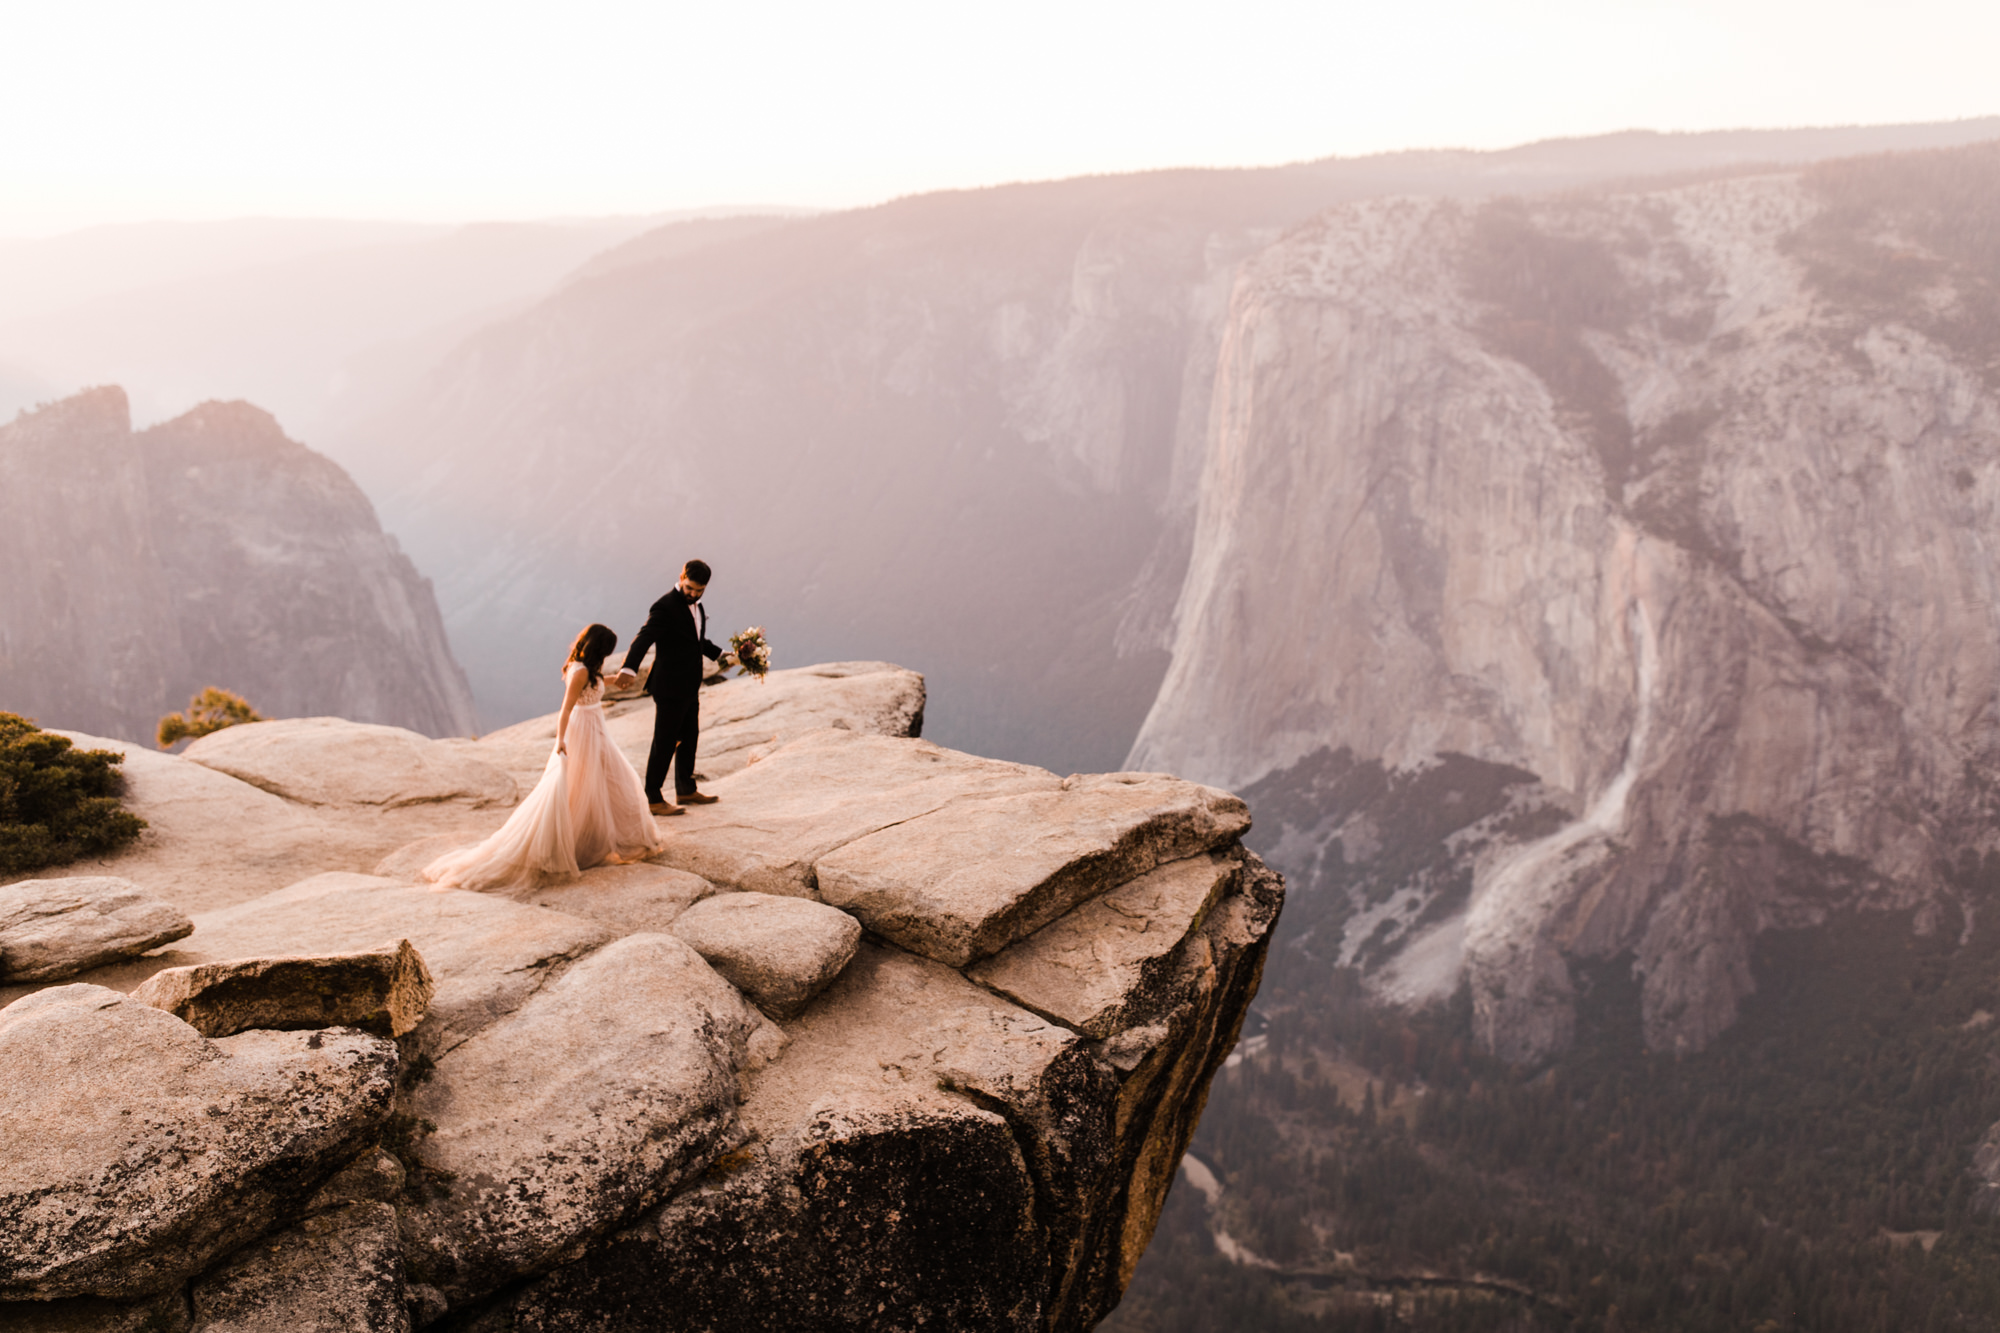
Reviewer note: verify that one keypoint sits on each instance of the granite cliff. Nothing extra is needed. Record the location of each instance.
(966, 428)
(891, 1037)
(143, 566)
(1606, 578)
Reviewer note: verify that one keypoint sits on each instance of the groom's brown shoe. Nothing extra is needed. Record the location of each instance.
(698, 798)
(664, 808)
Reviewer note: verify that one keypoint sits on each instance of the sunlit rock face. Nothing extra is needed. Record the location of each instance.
(141, 567)
(1669, 512)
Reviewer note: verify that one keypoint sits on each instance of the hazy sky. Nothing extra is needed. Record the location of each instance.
(435, 110)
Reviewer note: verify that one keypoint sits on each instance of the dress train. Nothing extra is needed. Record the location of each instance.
(589, 807)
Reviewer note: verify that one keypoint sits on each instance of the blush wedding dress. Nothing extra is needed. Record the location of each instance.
(589, 808)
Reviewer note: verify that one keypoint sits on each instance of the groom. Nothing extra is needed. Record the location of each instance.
(678, 627)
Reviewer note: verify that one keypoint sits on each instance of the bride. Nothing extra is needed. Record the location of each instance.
(589, 807)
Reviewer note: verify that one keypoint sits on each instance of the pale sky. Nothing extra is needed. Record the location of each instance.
(438, 110)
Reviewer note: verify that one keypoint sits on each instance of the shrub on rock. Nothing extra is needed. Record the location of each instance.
(207, 712)
(57, 803)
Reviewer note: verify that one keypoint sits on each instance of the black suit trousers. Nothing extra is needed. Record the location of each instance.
(676, 731)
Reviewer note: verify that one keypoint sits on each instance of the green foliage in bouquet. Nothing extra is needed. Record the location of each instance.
(752, 652)
(57, 803)
(211, 710)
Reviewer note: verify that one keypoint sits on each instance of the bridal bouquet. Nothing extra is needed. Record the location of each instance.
(753, 654)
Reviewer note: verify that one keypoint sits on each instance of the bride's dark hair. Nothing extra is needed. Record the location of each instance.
(591, 648)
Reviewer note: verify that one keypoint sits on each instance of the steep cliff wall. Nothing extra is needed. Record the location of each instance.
(208, 550)
(1678, 501)
(964, 428)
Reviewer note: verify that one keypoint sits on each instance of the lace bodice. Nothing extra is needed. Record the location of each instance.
(592, 694)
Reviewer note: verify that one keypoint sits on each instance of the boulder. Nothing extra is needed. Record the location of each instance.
(610, 1086)
(778, 951)
(383, 991)
(1096, 967)
(56, 928)
(329, 761)
(134, 1151)
(780, 815)
(972, 876)
(337, 1271)
(486, 955)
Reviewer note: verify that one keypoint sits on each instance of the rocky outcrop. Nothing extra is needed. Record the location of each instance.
(208, 550)
(55, 928)
(1648, 498)
(592, 1124)
(902, 1073)
(339, 1269)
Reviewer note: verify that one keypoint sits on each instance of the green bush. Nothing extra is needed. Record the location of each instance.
(211, 710)
(57, 803)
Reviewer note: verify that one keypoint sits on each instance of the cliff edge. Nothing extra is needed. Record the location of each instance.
(891, 1036)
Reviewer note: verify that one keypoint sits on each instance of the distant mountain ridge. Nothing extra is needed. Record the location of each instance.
(208, 550)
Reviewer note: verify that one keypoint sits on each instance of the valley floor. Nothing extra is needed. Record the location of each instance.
(1811, 1170)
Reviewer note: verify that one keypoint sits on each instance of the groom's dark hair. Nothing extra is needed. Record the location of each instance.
(697, 572)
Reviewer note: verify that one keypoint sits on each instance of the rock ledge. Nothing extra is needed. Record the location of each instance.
(690, 1094)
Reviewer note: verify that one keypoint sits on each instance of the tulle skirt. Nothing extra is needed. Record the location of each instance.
(589, 807)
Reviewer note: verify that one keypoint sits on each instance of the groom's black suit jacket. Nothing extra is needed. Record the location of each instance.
(673, 628)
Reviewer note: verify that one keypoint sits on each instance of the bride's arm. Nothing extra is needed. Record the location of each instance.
(574, 679)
